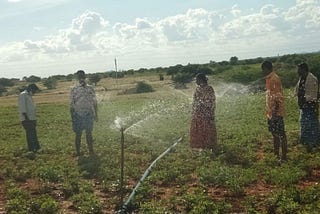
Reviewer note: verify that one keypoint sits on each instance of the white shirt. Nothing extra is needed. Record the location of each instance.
(311, 88)
(26, 105)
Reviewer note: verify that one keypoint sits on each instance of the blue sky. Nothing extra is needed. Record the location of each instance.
(49, 37)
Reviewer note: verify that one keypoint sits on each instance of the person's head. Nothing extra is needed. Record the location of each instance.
(303, 69)
(81, 76)
(33, 88)
(266, 67)
(201, 79)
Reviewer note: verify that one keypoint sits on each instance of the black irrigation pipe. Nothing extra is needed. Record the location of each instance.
(124, 208)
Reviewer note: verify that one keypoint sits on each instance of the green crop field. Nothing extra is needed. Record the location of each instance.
(241, 176)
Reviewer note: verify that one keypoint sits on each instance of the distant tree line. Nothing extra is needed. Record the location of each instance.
(243, 71)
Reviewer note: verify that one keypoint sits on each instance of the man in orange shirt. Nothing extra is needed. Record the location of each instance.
(275, 109)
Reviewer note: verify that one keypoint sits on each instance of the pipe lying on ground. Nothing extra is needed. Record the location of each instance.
(146, 173)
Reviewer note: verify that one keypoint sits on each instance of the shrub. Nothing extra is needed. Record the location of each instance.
(94, 78)
(2, 90)
(6, 82)
(221, 68)
(242, 75)
(116, 75)
(161, 77)
(181, 79)
(50, 83)
(143, 87)
(33, 78)
(289, 78)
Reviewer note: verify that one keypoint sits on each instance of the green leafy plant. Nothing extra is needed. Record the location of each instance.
(200, 202)
(286, 202)
(71, 187)
(17, 200)
(89, 166)
(86, 203)
(285, 175)
(50, 173)
(233, 178)
(43, 204)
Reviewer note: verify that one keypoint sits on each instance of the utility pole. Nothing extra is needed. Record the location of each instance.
(116, 69)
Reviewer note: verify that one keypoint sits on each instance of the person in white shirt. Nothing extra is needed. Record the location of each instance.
(83, 109)
(27, 113)
(307, 93)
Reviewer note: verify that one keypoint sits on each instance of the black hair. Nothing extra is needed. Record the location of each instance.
(304, 66)
(80, 74)
(202, 77)
(267, 64)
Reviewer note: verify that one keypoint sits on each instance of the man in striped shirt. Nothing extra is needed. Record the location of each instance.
(83, 109)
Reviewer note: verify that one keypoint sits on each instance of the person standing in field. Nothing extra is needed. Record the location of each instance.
(307, 93)
(27, 112)
(83, 109)
(275, 110)
(203, 128)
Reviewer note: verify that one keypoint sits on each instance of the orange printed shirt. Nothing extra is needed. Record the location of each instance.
(274, 96)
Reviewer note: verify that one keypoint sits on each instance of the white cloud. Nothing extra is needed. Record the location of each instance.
(143, 24)
(13, 55)
(195, 25)
(89, 23)
(30, 45)
(305, 14)
(235, 11)
(270, 11)
(198, 35)
(14, 1)
(79, 37)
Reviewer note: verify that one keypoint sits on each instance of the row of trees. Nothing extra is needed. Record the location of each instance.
(51, 82)
(182, 74)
